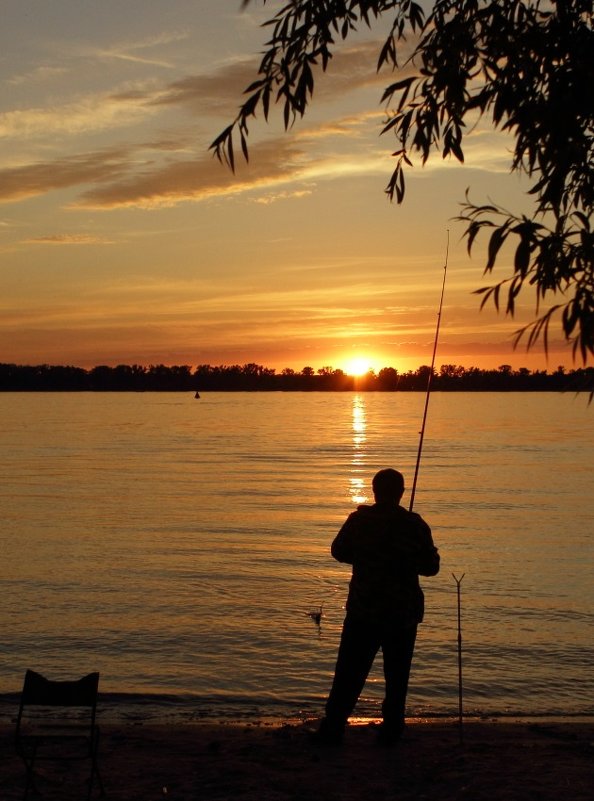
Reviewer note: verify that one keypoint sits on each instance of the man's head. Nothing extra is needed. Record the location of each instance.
(388, 486)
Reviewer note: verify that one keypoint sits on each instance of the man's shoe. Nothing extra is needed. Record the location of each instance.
(389, 734)
(329, 733)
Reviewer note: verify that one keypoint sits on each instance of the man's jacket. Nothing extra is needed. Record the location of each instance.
(388, 548)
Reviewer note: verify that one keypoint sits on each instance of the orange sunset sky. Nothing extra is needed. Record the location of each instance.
(123, 241)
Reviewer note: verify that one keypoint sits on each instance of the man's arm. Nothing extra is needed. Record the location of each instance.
(428, 564)
(342, 547)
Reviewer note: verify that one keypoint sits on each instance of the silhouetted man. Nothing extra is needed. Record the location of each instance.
(388, 548)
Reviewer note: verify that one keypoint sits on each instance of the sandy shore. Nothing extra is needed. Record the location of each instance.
(258, 762)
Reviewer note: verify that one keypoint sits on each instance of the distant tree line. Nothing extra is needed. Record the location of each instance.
(255, 377)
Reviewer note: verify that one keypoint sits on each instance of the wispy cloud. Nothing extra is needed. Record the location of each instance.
(217, 92)
(88, 114)
(40, 74)
(167, 172)
(221, 91)
(273, 197)
(68, 239)
(18, 183)
(130, 176)
(95, 168)
(135, 51)
(199, 179)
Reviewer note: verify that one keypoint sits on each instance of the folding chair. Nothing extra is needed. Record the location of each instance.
(56, 722)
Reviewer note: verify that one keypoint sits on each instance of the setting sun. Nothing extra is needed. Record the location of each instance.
(358, 366)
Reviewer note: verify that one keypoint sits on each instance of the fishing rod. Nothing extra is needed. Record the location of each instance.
(414, 487)
(428, 392)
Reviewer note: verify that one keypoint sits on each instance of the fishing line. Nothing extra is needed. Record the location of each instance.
(428, 391)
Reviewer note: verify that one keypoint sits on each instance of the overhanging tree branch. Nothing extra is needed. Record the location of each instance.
(525, 66)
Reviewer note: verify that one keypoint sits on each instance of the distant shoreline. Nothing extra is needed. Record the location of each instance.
(256, 378)
(477, 390)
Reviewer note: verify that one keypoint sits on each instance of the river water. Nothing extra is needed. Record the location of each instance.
(178, 545)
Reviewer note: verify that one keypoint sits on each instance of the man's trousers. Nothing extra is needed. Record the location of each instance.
(359, 644)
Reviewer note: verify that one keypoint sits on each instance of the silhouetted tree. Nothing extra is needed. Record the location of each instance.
(525, 65)
(124, 378)
(101, 377)
(162, 377)
(388, 378)
(451, 371)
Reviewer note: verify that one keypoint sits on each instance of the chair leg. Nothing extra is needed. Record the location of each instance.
(29, 777)
(95, 773)
(95, 764)
(99, 780)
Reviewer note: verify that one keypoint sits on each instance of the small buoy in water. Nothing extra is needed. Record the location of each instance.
(197, 395)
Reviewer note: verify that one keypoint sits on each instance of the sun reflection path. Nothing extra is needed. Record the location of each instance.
(358, 478)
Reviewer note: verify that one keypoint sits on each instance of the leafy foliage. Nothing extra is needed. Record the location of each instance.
(526, 66)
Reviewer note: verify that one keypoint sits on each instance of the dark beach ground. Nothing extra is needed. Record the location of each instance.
(498, 759)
